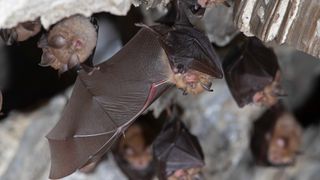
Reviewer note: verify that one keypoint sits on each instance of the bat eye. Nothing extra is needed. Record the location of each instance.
(57, 41)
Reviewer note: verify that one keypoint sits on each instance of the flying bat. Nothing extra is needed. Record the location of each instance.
(69, 43)
(253, 74)
(105, 103)
(133, 152)
(276, 137)
(21, 32)
(177, 152)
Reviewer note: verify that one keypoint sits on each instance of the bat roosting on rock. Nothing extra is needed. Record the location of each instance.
(177, 152)
(133, 152)
(276, 137)
(68, 43)
(253, 75)
(103, 105)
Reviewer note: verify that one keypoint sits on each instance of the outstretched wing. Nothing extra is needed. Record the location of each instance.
(104, 104)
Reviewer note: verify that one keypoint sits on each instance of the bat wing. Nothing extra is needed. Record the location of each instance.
(249, 69)
(103, 105)
(176, 148)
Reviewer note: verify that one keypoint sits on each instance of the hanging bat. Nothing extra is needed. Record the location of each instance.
(133, 152)
(177, 152)
(69, 43)
(276, 137)
(21, 32)
(104, 104)
(253, 75)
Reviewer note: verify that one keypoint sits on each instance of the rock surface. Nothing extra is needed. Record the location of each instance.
(294, 22)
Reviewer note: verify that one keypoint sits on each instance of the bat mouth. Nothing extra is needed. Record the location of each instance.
(192, 82)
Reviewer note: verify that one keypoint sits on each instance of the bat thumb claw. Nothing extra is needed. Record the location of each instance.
(206, 87)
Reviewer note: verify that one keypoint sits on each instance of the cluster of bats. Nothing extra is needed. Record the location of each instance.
(109, 97)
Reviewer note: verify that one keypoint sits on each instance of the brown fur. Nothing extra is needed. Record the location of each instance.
(285, 140)
(135, 149)
(190, 82)
(269, 95)
(80, 39)
(185, 174)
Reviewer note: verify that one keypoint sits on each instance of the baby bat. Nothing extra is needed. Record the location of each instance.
(68, 43)
(252, 74)
(133, 152)
(177, 152)
(21, 32)
(276, 137)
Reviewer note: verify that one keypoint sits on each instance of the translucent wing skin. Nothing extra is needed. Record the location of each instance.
(176, 148)
(103, 105)
(249, 69)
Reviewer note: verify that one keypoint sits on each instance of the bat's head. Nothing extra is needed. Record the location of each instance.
(68, 43)
(21, 32)
(251, 70)
(135, 149)
(187, 174)
(269, 96)
(284, 141)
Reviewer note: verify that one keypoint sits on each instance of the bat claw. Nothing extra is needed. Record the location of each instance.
(185, 92)
(206, 87)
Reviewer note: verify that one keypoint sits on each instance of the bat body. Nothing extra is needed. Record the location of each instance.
(133, 152)
(103, 105)
(252, 74)
(69, 43)
(276, 137)
(21, 32)
(177, 152)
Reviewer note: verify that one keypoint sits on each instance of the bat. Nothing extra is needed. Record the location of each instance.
(133, 152)
(21, 32)
(69, 43)
(191, 55)
(253, 76)
(276, 137)
(177, 152)
(104, 104)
